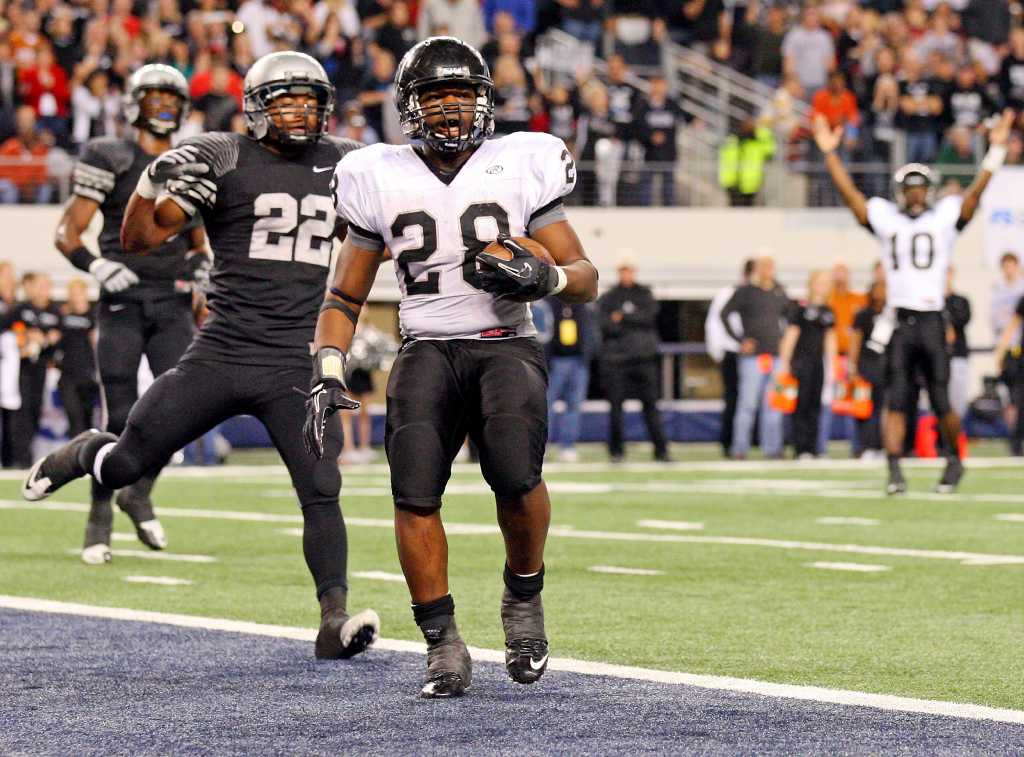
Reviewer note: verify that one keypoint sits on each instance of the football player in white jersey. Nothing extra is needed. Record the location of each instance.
(917, 237)
(469, 362)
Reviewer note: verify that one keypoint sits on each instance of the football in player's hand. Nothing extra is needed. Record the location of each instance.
(536, 248)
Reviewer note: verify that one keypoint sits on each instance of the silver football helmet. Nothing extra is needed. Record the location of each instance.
(155, 76)
(286, 73)
(914, 175)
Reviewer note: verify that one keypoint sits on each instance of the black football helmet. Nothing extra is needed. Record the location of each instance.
(440, 60)
(279, 74)
(155, 76)
(914, 175)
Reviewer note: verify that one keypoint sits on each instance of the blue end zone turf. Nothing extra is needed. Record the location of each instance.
(76, 685)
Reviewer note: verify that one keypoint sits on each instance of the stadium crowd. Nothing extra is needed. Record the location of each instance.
(929, 72)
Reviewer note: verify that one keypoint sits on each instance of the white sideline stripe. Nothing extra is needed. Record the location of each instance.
(965, 558)
(143, 554)
(625, 571)
(159, 580)
(721, 683)
(1013, 517)
(855, 567)
(674, 525)
(122, 536)
(249, 474)
(379, 575)
(836, 520)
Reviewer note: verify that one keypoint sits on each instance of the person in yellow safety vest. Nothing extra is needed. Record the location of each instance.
(741, 162)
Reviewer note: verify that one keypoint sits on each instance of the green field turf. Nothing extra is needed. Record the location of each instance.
(929, 626)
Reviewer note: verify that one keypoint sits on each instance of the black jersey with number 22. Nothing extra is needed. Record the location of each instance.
(271, 227)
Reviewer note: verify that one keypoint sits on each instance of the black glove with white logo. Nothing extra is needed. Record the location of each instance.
(328, 394)
(173, 164)
(113, 276)
(194, 274)
(524, 278)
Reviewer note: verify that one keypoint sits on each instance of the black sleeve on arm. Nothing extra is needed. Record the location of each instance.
(732, 306)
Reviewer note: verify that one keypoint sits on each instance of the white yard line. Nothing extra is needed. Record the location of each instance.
(853, 567)
(583, 667)
(568, 532)
(379, 575)
(143, 554)
(847, 521)
(625, 571)
(671, 525)
(158, 580)
(1012, 517)
(123, 536)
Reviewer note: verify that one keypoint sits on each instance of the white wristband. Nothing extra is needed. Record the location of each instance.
(561, 281)
(994, 158)
(146, 189)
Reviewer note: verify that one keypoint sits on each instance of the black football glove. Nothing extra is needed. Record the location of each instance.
(524, 278)
(194, 274)
(174, 163)
(328, 394)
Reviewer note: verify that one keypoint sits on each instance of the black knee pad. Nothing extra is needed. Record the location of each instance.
(421, 464)
(511, 455)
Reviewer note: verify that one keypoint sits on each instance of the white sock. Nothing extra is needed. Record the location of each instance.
(97, 464)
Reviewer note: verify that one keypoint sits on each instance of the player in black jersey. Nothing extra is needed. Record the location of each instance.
(265, 200)
(145, 301)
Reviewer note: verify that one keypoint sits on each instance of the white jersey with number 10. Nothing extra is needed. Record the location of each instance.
(916, 252)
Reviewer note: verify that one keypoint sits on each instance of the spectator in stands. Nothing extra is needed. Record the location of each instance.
(920, 108)
(583, 18)
(1010, 360)
(637, 31)
(845, 303)
(344, 59)
(657, 122)
(839, 107)
(741, 161)
(346, 14)
(968, 104)
(95, 108)
(353, 125)
(377, 88)
(763, 308)
(77, 386)
(10, 363)
(220, 107)
(808, 351)
(262, 20)
(623, 97)
(23, 173)
(560, 107)
(522, 12)
(1011, 73)
(724, 349)
(456, 18)
(987, 24)
(64, 40)
(505, 40)
(867, 360)
(629, 357)
(708, 22)
(1005, 294)
(512, 110)
(766, 58)
(958, 315)
(808, 51)
(44, 87)
(573, 344)
(37, 320)
(398, 35)
(596, 127)
(956, 158)
(25, 37)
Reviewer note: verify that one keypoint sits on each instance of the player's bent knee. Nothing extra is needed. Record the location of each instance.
(327, 477)
(121, 468)
(939, 397)
(418, 505)
(511, 455)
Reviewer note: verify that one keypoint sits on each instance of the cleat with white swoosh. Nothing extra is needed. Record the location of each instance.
(526, 643)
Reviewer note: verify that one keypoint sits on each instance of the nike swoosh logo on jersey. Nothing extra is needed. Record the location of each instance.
(321, 169)
(117, 308)
(539, 664)
(527, 270)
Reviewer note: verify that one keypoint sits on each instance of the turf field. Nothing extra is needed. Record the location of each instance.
(780, 572)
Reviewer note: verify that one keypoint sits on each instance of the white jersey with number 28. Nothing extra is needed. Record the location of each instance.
(392, 198)
(916, 252)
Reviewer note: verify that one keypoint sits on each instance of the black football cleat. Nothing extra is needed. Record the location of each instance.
(341, 637)
(61, 467)
(140, 510)
(950, 477)
(449, 666)
(526, 643)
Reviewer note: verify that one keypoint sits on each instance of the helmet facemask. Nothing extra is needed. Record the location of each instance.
(262, 112)
(459, 126)
(156, 121)
(914, 175)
